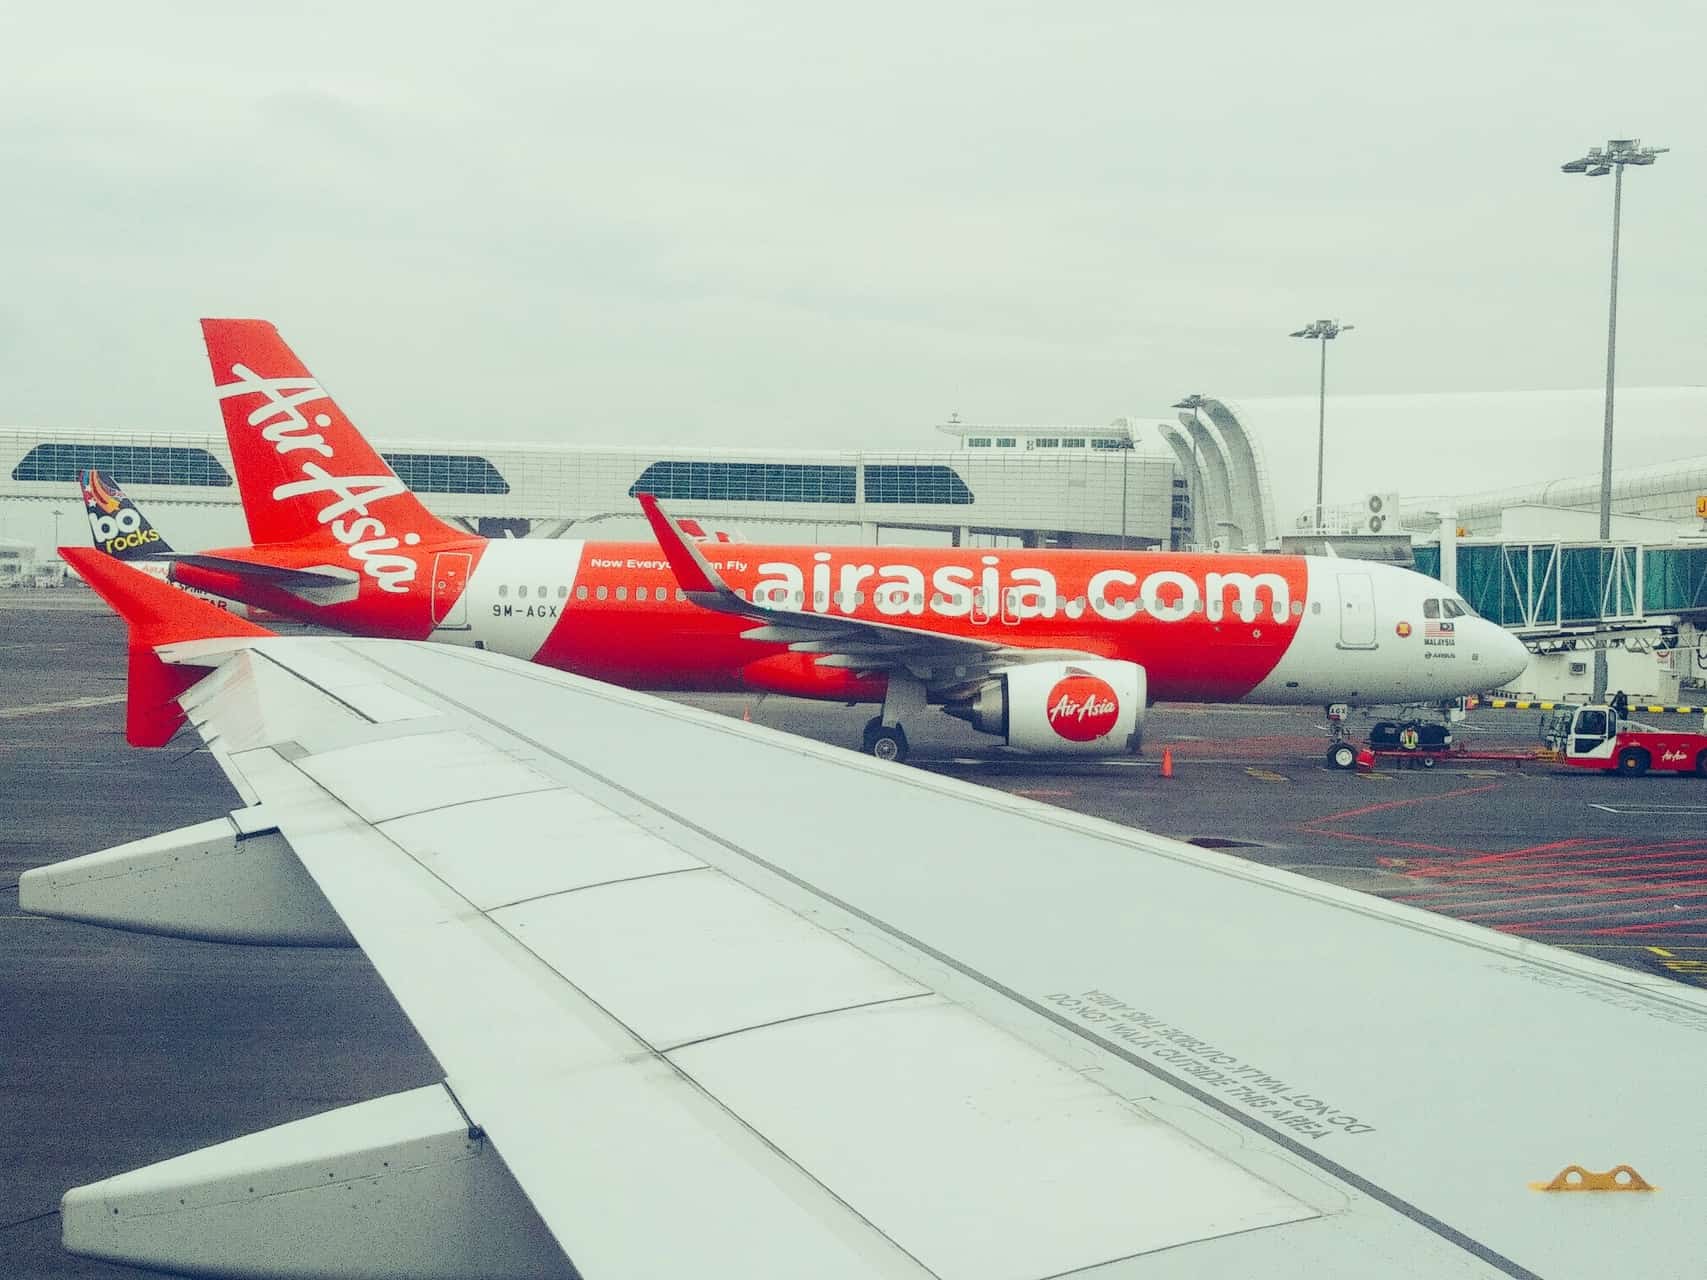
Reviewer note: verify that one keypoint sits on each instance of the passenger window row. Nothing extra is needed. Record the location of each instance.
(896, 597)
(642, 594)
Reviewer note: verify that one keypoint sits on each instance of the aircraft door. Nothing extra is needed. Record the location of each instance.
(450, 595)
(980, 606)
(1357, 611)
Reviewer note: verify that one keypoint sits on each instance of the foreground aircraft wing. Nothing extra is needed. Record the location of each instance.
(859, 644)
(710, 999)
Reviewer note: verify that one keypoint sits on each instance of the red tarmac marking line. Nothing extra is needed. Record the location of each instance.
(1670, 872)
(1565, 854)
(1400, 804)
(1610, 897)
(1638, 851)
(1574, 842)
(1315, 825)
(1608, 867)
(1690, 930)
(1588, 919)
(1383, 840)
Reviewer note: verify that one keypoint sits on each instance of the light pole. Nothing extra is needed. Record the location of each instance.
(1194, 402)
(56, 514)
(1126, 445)
(1322, 331)
(1599, 162)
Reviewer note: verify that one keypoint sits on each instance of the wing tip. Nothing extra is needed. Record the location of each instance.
(154, 613)
(692, 573)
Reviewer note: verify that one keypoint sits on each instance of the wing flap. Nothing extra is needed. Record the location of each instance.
(394, 777)
(923, 1079)
(571, 842)
(693, 956)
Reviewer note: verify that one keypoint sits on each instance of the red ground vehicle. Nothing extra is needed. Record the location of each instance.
(1595, 737)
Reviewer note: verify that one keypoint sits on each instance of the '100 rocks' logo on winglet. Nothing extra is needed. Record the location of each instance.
(283, 425)
(1082, 707)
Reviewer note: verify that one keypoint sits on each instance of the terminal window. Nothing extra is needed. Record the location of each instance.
(1005, 442)
(747, 482)
(1107, 442)
(125, 463)
(446, 473)
(930, 484)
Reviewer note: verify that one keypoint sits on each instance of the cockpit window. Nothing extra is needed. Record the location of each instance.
(1431, 608)
(1457, 609)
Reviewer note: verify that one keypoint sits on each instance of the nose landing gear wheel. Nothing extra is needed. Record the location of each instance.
(1342, 755)
(885, 742)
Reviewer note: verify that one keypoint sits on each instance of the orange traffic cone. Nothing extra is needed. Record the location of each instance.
(1167, 762)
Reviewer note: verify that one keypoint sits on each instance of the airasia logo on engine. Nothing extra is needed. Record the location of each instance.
(1082, 707)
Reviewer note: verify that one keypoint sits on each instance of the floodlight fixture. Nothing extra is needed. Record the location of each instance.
(1617, 153)
(1323, 329)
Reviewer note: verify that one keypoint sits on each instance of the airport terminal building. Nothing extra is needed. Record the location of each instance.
(1055, 487)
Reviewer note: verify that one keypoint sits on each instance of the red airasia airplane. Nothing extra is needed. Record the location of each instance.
(1051, 651)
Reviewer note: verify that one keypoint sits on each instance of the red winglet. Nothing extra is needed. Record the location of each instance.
(156, 614)
(693, 574)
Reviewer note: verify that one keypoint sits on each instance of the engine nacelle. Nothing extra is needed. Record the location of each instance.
(1094, 707)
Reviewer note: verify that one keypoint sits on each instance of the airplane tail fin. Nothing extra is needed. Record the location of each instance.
(303, 470)
(118, 525)
(155, 614)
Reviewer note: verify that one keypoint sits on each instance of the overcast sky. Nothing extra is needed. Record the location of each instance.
(759, 224)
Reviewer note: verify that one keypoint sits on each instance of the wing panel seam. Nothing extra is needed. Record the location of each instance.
(667, 1050)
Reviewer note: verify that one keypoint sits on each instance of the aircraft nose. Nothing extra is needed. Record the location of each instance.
(1509, 658)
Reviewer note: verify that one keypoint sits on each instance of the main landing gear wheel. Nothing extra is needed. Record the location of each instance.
(1342, 755)
(885, 742)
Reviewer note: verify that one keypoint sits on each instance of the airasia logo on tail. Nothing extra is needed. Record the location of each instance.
(346, 515)
(1082, 707)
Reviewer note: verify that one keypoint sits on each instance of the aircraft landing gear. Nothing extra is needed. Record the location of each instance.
(886, 742)
(1342, 751)
(884, 736)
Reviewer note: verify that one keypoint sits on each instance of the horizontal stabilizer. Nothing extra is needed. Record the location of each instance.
(320, 584)
(400, 1186)
(235, 879)
(323, 575)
